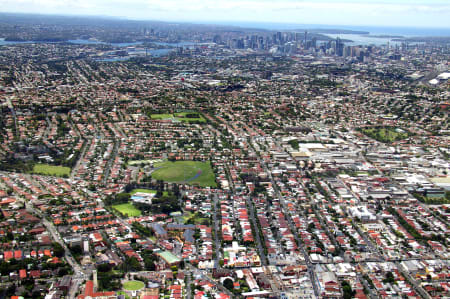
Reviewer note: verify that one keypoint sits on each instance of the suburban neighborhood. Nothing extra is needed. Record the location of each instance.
(244, 164)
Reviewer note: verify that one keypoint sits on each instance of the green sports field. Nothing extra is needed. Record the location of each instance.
(161, 116)
(128, 209)
(133, 285)
(186, 172)
(184, 116)
(385, 135)
(47, 169)
(181, 116)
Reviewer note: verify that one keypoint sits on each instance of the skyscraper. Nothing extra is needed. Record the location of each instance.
(339, 51)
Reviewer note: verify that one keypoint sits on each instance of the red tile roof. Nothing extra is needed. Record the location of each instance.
(8, 255)
(22, 273)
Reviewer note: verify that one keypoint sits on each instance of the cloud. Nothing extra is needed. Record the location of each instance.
(395, 12)
(435, 7)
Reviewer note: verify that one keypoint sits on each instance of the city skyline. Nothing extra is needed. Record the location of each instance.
(386, 13)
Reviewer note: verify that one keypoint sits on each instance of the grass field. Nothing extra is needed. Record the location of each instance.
(128, 209)
(433, 200)
(133, 285)
(437, 201)
(187, 172)
(161, 116)
(386, 135)
(47, 169)
(196, 218)
(181, 116)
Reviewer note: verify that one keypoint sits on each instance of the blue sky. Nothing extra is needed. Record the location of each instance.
(405, 13)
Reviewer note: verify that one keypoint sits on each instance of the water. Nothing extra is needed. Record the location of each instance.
(114, 59)
(85, 42)
(3, 42)
(154, 53)
(96, 42)
(364, 40)
(72, 41)
(178, 45)
(376, 30)
(405, 31)
(159, 52)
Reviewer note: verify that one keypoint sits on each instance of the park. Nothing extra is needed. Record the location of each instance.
(385, 134)
(185, 172)
(189, 117)
(52, 170)
(133, 285)
(127, 209)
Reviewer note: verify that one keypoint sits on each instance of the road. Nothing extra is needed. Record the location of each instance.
(372, 295)
(47, 129)
(312, 274)
(120, 130)
(86, 145)
(188, 285)
(416, 286)
(110, 162)
(13, 112)
(254, 220)
(217, 230)
(79, 275)
(369, 242)
(201, 274)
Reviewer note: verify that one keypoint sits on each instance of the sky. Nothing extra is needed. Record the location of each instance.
(403, 13)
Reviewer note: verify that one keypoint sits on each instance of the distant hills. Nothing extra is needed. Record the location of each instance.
(335, 31)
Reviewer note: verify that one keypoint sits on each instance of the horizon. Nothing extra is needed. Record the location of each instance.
(432, 14)
(272, 26)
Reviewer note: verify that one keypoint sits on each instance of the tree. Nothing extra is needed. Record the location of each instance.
(149, 264)
(76, 249)
(104, 268)
(11, 289)
(176, 190)
(347, 290)
(228, 283)
(389, 278)
(131, 263)
(63, 271)
(160, 185)
(122, 197)
(58, 250)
